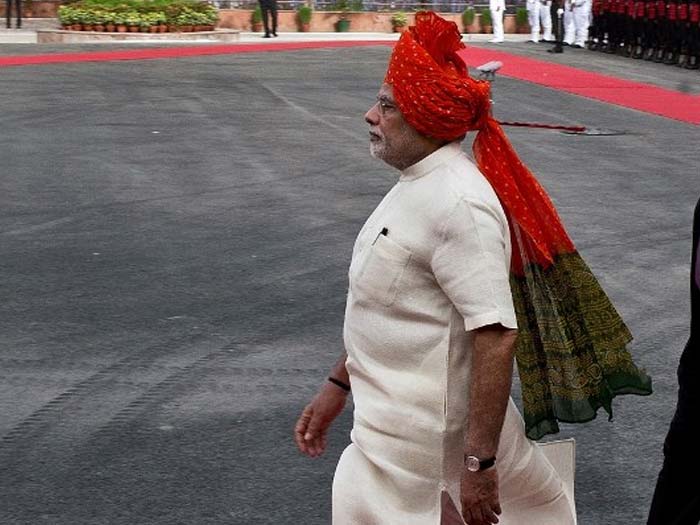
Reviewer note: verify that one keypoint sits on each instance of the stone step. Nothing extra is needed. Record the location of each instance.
(33, 24)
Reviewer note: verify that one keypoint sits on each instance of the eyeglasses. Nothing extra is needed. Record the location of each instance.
(386, 105)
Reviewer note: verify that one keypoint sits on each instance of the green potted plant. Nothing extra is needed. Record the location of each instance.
(108, 21)
(399, 22)
(98, 20)
(120, 21)
(145, 22)
(521, 22)
(468, 16)
(485, 20)
(211, 17)
(66, 17)
(132, 20)
(343, 23)
(304, 14)
(257, 19)
(160, 19)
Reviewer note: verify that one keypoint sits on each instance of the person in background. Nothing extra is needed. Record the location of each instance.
(498, 9)
(582, 15)
(269, 16)
(8, 12)
(677, 497)
(569, 24)
(539, 17)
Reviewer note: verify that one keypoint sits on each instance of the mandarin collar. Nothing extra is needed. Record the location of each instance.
(436, 159)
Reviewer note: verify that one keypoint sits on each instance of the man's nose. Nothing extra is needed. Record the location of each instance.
(372, 115)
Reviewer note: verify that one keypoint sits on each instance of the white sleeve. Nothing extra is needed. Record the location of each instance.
(472, 264)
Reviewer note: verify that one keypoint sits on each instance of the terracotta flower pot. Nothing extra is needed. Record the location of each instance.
(186, 29)
(144, 29)
(257, 27)
(153, 29)
(162, 28)
(98, 27)
(67, 27)
(134, 29)
(486, 29)
(173, 29)
(87, 27)
(121, 29)
(76, 27)
(399, 29)
(110, 28)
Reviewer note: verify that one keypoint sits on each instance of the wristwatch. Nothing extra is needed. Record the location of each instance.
(475, 464)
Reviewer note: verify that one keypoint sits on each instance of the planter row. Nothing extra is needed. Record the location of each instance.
(111, 28)
(358, 21)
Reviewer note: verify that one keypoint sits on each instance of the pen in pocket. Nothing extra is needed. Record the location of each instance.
(385, 232)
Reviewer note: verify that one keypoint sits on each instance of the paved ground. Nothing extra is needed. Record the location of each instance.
(174, 242)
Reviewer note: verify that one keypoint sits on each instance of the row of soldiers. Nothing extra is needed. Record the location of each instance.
(661, 30)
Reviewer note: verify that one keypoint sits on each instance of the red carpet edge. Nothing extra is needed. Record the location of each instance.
(633, 95)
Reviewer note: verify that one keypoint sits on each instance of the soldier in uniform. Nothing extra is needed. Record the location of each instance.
(582, 17)
(597, 31)
(639, 26)
(628, 47)
(694, 35)
(664, 30)
(616, 26)
(684, 23)
(673, 36)
(539, 16)
(651, 29)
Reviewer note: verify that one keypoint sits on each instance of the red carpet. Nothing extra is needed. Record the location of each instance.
(626, 93)
(634, 95)
(175, 52)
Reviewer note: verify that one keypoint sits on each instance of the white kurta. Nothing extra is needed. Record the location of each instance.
(439, 270)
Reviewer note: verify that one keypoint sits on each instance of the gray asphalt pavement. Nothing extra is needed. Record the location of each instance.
(174, 243)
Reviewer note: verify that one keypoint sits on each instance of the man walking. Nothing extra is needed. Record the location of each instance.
(440, 283)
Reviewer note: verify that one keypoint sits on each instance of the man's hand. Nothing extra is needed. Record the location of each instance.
(311, 430)
(479, 493)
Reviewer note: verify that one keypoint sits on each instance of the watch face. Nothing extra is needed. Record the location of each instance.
(472, 463)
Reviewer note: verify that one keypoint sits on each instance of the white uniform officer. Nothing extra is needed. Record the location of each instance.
(497, 8)
(540, 16)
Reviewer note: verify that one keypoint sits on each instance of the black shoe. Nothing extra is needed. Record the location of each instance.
(671, 58)
(682, 60)
(267, 35)
(577, 46)
(649, 54)
(555, 50)
(693, 63)
(274, 34)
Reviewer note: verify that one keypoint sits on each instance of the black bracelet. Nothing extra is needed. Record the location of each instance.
(339, 383)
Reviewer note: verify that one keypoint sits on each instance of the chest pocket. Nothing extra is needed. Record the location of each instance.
(380, 269)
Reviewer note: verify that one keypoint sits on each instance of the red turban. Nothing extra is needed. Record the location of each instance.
(571, 350)
(439, 99)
